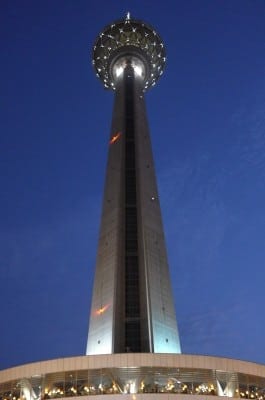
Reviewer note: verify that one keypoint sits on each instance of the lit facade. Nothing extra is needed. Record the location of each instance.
(148, 376)
(132, 304)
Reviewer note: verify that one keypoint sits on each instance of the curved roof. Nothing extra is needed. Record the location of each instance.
(145, 373)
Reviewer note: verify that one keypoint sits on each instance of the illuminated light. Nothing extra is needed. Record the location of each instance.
(101, 310)
(138, 70)
(115, 137)
(119, 71)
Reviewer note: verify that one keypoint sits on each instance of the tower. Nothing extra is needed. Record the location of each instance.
(132, 305)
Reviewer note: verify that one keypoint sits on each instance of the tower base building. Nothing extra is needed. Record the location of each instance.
(142, 376)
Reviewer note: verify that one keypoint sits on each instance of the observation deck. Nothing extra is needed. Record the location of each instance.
(129, 41)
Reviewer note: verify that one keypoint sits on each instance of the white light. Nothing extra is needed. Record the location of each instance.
(138, 70)
(119, 71)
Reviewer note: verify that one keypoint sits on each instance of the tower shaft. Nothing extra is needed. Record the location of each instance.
(132, 306)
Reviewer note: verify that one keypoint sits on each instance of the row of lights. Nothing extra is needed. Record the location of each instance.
(170, 387)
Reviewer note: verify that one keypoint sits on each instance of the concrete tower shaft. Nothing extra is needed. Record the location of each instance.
(132, 305)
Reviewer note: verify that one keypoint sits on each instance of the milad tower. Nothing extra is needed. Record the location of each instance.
(132, 320)
(132, 306)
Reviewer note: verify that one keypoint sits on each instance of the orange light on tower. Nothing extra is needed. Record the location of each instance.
(115, 137)
(102, 309)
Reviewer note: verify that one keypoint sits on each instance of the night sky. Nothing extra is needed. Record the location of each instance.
(207, 121)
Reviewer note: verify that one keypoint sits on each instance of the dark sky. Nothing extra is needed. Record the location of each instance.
(207, 123)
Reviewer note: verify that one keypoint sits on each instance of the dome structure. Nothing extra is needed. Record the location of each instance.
(129, 41)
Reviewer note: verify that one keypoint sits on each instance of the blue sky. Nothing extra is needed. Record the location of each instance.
(207, 124)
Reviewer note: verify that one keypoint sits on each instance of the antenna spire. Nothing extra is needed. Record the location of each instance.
(128, 16)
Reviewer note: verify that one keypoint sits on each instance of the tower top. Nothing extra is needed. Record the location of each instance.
(132, 41)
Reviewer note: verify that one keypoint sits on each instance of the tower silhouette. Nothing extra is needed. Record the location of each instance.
(132, 305)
